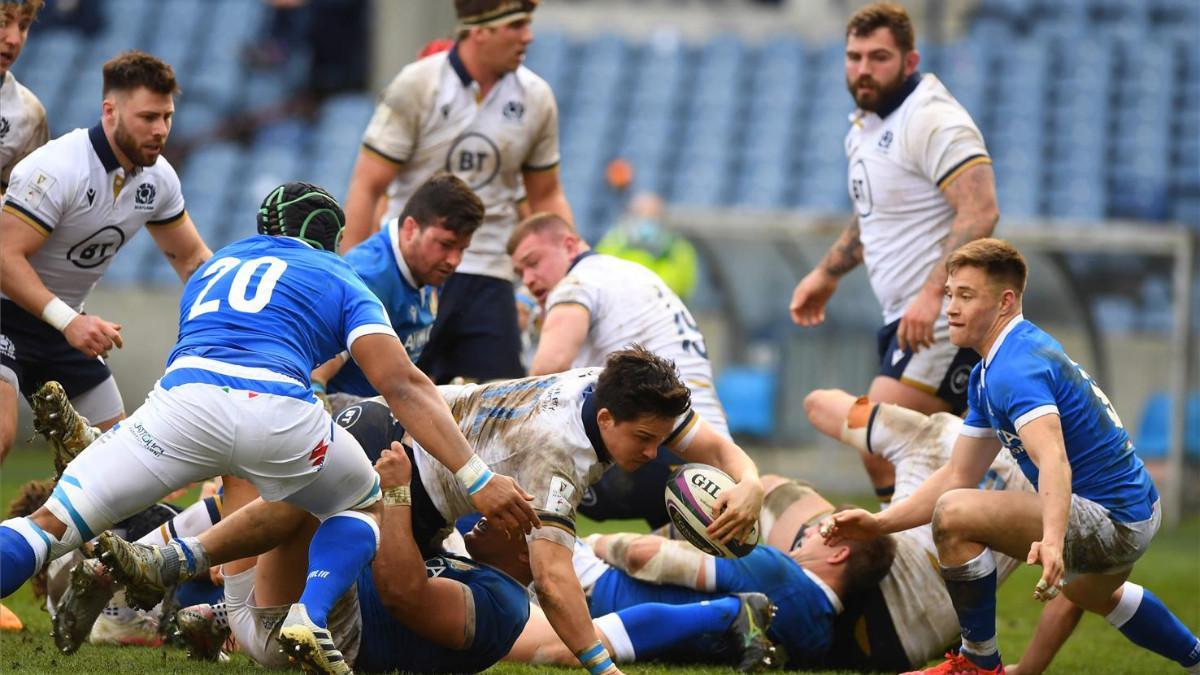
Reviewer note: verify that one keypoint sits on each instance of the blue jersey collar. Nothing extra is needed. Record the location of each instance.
(103, 150)
(1012, 323)
(393, 233)
(591, 427)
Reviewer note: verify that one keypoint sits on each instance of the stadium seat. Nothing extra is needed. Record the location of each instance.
(748, 395)
(1155, 424)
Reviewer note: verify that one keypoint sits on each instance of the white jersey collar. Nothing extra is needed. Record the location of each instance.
(394, 235)
(1012, 323)
(833, 597)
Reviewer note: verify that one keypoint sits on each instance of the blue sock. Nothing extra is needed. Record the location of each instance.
(1146, 621)
(972, 588)
(655, 626)
(340, 548)
(24, 548)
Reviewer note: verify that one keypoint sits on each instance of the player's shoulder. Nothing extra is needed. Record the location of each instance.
(931, 105)
(532, 83)
(417, 78)
(64, 155)
(30, 102)
(372, 258)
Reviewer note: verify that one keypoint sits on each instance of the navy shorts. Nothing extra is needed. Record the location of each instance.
(475, 334)
(501, 611)
(941, 369)
(620, 494)
(37, 353)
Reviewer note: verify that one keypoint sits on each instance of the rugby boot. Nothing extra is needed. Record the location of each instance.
(201, 632)
(124, 626)
(55, 418)
(957, 664)
(310, 645)
(142, 569)
(748, 634)
(90, 588)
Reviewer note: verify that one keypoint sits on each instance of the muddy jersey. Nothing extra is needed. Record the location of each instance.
(75, 193)
(627, 304)
(542, 432)
(23, 126)
(914, 590)
(432, 118)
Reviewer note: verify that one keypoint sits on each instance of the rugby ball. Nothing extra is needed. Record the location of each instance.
(691, 492)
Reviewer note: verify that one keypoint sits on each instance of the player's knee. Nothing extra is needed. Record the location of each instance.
(770, 481)
(814, 404)
(949, 515)
(641, 551)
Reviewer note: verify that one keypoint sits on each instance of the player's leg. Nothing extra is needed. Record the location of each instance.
(8, 414)
(966, 530)
(481, 337)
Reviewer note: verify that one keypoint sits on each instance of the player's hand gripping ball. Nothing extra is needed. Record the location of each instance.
(691, 492)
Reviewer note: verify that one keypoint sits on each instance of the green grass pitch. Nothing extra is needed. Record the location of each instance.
(1171, 569)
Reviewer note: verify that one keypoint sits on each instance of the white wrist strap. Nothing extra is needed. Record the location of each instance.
(474, 474)
(58, 314)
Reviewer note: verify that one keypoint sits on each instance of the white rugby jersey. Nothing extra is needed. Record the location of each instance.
(898, 166)
(914, 590)
(542, 432)
(628, 304)
(430, 118)
(73, 191)
(22, 125)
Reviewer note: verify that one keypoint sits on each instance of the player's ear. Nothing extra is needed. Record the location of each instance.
(839, 555)
(605, 419)
(912, 59)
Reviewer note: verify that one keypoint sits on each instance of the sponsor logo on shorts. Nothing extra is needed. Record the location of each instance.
(317, 456)
(349, 416)
(7, 348)
(318, 574)
(146, 439)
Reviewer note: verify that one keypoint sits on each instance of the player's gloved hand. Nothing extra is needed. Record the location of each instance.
(850, 524)
(394, 467)
(506, 505)
(916, 326)
(1049, 555)
(92, 335)
(810, 297)
(736, 511)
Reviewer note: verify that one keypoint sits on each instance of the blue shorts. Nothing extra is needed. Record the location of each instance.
(37, 353)
(475, 334)
(501, 610)
(620, 494)
(940, 369)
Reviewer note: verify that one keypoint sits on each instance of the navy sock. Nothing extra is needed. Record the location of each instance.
(656, 626)
(1146, 621)
(341, 546)
(972, 588)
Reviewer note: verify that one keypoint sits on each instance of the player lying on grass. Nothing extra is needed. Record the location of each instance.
(557, 434)
(1096, 508)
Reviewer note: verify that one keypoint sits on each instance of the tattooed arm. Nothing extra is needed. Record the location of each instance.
(815, 289)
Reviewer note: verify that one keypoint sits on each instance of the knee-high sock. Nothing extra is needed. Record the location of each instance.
(24, 549)
(972, 588)
(1146, 621)
(653, 627)
(341, 546)
(190, 522)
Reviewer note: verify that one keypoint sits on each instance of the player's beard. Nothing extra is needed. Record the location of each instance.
(129, 147)
(879, 92)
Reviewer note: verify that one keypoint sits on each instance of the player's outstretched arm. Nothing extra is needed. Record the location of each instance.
(416, 404)
(434, 608)
(182, 245)
(544, 193)
(561, 597)
(738, 507)
(815, 289)
(368, 183)
(88, 333)
(563, 334)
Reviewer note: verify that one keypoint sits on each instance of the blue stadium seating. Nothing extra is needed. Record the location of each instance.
(1154, 427)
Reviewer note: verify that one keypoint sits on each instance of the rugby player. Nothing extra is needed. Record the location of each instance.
(476, 111)
(1096, 508)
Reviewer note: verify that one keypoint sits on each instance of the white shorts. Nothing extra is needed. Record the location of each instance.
(256, 629)
(1097, 544)
(289, 449)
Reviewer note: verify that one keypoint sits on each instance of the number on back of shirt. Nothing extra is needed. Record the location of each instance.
(1099, 394)
(240, 297)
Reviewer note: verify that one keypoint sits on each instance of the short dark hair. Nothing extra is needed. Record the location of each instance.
(132, 69)
(538, 223)
(304, 211)
(887, 15)
(999, 260)
(446, 201)
(637, 382)
(869, 562)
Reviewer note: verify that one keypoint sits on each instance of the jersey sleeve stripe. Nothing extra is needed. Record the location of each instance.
(369, 329)
(28, 218)
(962, 166)
(683, 432)
(168, 222)
(558, 521)
(927, 388)
(1040, 411)
(976, 432)
(530, 168)
(382, 155)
